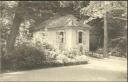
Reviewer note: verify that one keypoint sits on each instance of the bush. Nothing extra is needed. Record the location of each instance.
(96, 54)
(24, 57)
(70, 57)
(50, 55)
(81, 58)
(117, 52)
(100, 51)
(30, 57)
(48, 46)
(72, 53)
(62, 58)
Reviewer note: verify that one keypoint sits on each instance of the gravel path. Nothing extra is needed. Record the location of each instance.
(109, 69)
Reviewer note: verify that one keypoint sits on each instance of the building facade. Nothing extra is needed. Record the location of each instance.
(65, 33)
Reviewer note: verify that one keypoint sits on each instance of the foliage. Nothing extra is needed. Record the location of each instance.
(70, 56)
(116, 12)
(62, 58)
(96, 9)
(30, 56)
(23, 57)
(96, 54)
(117, 31)
(81, 58)
(22, 11)
(48, 46)
(24, 35)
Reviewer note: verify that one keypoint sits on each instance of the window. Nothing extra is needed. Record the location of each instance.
(62, 37)
(80, 37)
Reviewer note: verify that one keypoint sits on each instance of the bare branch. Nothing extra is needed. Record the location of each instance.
(120, 18)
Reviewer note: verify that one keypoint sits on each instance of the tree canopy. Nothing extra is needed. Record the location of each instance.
(96, 9)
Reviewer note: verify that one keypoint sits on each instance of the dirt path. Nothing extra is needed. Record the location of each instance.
(109, 69)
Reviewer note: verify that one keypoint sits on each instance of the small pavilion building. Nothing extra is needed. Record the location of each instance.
(65, 33)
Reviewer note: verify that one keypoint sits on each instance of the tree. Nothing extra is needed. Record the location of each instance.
(14, 30)
(0, 37)
(117, 31)
(99, 9)
(5, 16)
(26, 10)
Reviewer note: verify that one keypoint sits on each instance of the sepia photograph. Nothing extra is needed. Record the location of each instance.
(63, 41)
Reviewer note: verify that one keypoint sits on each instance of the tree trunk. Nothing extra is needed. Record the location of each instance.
(0, 37)
(14, 32)
(105, 36)
(0, 50)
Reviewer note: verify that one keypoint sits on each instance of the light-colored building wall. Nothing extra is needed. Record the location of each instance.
(70, 38)
(68, 44)
(87, 40)
(51, 38)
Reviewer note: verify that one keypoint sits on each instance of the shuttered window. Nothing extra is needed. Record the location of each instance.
(80, 35)
(62, 37)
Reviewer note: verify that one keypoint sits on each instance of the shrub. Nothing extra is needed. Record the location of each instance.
(95, 55)
(118, 52)
(48, 46)
(81, 58)
(62, 58)
(31, 56)
(72, 53)
(24, 57)
(100, 51)
(70, 57)
(50, 55)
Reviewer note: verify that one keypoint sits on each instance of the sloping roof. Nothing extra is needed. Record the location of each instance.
(62, 21)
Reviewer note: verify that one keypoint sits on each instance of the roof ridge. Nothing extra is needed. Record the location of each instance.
(62, 21)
